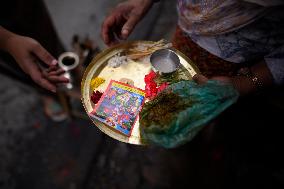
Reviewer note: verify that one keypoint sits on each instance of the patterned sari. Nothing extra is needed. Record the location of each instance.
(208, 64)
(223, 35)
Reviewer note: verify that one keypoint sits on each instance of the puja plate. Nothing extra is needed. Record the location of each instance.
(133, 70)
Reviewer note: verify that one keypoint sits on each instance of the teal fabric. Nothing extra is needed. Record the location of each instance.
(207, 101)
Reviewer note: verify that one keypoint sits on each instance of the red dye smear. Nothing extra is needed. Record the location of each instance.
(64, 172)
(37, 125)
(150, 76)
(75, 130)
(96, 96)
(151, 87)
(162, 87)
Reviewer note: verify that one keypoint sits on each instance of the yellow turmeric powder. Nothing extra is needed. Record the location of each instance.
(96, 82)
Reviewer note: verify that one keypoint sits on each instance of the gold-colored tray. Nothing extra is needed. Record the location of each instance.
(133, 70)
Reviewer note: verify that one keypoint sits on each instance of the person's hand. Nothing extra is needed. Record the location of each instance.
(242, 84)
(123, 19)
(28, 52)
(201, 79)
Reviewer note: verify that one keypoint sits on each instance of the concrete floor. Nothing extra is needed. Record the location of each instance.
(85, 18)
(39, 153)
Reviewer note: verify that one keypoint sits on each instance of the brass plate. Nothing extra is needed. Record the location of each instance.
(133, 70)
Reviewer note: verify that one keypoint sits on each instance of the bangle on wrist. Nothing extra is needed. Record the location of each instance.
(252, 76)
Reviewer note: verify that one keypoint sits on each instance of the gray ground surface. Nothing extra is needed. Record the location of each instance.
(39, 153)
(85, 18)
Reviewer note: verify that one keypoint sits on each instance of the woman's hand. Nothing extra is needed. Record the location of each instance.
(123, 19)
(240, 83)
(201, 79)
(244, 83)
(28, 52)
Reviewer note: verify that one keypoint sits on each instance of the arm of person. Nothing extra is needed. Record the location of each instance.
(268, 73)
(123, 19)
(27, 52)
(255, 79)
(260, 77)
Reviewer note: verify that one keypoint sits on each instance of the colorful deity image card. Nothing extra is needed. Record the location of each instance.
(119, 106)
